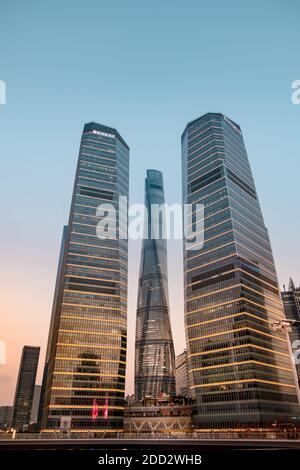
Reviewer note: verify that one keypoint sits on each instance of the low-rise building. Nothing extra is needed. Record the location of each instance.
(159, 419)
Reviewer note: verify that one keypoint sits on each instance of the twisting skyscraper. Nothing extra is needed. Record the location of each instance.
(240, 367)
(154, 350)
(84, 380)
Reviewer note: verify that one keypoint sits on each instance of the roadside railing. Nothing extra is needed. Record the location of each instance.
(162, 436)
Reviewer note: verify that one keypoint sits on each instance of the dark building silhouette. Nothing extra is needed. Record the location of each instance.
(5, 417)
(25, 387)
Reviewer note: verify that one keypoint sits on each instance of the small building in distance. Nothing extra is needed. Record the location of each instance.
(35, 403)
(5, 417)
(183, 383)
(25, 387)
(291, 303)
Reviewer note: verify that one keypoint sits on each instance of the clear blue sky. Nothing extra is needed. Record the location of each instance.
(146, 68)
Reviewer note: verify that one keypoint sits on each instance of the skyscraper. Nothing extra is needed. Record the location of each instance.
(5, 417)
(84, 380)
(240, 366)
(154, 350)
(35, 404)
(53, 324)
(25, 387)
(182, 376)
(291, 303)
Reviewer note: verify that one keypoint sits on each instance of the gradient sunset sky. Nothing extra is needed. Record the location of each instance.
(146, 68)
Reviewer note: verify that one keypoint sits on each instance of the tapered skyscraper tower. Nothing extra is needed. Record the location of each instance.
(154, 350)
(240, 366)
(84, 380)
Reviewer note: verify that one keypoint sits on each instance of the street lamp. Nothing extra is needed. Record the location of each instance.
(285, 326)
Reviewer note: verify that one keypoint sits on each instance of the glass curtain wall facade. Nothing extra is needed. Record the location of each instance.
(25, 387)
(181, 375)
(84, 378)
(240, 368)
(154, 350)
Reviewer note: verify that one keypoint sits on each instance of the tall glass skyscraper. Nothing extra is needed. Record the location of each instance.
(25, 387)
(240, 367)
(86, 357)
(154, 350)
